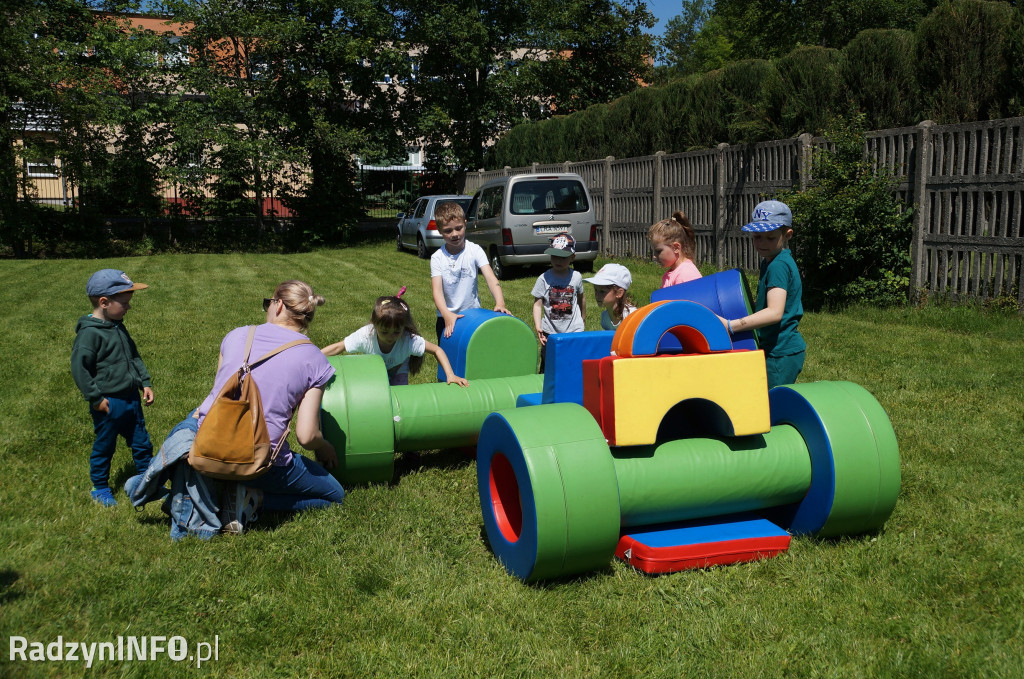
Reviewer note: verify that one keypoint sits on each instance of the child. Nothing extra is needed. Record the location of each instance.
(108, 370)
(559, 304)
(611, 283)
(392, 335)
(454, 268)
(779, 307)
(675, 247)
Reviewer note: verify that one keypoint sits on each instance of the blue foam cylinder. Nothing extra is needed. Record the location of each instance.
(724, 292)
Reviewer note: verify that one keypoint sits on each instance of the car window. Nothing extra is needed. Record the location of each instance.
(421, 206)
(549, 196)
(490, 202)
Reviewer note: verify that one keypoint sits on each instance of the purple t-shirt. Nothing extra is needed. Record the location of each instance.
(283, 379)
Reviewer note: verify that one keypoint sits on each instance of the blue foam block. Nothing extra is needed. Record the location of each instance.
(724, 292)
(524, 400)
(563, 371)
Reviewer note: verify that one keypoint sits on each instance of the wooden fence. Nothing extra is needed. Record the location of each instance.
(966, 181)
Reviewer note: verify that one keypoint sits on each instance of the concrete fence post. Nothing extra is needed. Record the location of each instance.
(606, 212)
(806, 147)
(720, 211)
(659, 180)
(922, 171)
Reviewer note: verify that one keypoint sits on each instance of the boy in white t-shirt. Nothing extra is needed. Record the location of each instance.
(559, 305)
(454, 269)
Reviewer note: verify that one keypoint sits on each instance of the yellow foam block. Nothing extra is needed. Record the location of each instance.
(645, 389)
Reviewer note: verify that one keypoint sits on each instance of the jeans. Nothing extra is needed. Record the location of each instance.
(300, 485)
(124, 419)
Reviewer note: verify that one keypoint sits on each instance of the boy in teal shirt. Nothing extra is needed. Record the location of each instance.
(108, 370)
(778, 308)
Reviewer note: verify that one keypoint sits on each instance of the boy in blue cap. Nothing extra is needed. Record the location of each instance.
(108, 370)
(779, 307)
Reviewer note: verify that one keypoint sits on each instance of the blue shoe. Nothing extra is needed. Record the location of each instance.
(104, 497)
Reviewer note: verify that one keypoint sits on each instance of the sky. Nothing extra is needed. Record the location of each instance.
(663, 10)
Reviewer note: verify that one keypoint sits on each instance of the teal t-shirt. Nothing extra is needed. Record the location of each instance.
(783, 339)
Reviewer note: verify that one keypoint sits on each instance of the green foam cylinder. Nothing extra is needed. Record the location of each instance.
(356, 418)
(428, 416)
(702, 477)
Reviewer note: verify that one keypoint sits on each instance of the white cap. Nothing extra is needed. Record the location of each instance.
(612, 274)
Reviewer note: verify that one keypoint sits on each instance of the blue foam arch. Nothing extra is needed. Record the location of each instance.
(674, 316)
(790, 407)
(724, 292)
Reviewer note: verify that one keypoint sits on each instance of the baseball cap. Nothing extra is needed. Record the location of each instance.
(769, 215)
(612, 274)
(107, 282)
(562, 245)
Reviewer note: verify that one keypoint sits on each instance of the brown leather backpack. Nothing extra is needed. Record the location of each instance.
(232, 442)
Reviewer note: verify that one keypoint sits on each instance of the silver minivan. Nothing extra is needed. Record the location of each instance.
(514, 219)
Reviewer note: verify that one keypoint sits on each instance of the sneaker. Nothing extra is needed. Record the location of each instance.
(239, 508)
(104, 497)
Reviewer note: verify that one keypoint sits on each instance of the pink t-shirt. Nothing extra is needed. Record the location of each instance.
(283, 379)
(686, 271)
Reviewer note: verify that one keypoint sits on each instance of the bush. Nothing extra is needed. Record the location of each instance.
(810, 90)
(962, 53)
(880, 72)
(750, 90)
(852, 235)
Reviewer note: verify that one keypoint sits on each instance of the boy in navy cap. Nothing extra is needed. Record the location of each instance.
(779, 307)
(110, 373)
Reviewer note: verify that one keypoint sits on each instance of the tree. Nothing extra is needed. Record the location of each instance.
(34, 47)
(480, 68)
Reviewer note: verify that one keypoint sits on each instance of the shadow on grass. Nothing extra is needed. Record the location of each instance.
(556, 583)
(444, 459)
(8, 578)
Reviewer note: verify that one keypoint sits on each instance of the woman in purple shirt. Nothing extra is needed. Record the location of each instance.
(290, 382)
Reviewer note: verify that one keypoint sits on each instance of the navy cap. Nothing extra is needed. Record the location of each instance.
(108, 282)
(770, 215)
(562, 245)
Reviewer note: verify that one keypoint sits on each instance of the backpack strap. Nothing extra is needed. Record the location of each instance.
(246, 366)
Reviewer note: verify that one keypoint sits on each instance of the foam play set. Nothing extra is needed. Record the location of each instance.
(658, 443)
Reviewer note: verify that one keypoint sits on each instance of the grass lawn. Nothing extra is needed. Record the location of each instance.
(399, 581)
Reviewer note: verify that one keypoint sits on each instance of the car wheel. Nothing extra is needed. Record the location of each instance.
(398, 242)
(497, 267)
(585, 267)
(421, 248)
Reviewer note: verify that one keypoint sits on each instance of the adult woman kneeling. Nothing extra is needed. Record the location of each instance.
(290, 382)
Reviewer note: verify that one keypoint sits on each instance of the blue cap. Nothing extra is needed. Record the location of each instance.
(770, 215)
(108, 282)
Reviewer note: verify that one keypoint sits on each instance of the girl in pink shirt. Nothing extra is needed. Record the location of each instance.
(675, 245)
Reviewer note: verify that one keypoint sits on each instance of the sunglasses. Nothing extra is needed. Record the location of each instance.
(267, 302)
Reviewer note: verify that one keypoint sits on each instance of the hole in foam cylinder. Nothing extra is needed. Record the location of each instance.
(508, 510)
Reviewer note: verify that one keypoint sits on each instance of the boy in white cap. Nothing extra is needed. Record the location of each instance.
(559, 304)
(108, 370)
(778, 308)
(611, 284)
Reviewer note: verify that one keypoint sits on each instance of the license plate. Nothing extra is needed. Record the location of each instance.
(542, 230)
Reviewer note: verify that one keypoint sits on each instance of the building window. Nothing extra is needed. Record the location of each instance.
(45, 167)
(176, 53)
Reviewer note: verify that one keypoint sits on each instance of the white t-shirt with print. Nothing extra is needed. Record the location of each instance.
(561, 301)
(459, 276)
